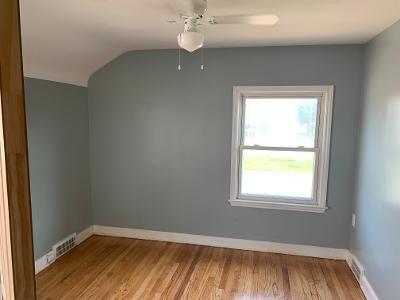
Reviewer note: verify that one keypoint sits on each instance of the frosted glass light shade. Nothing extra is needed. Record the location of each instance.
(190, 40)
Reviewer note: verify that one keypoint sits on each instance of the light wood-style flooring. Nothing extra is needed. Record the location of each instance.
(121, 268)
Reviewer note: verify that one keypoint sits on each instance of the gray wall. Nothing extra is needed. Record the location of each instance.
(376, 238)
(160, 141)
(57, 116)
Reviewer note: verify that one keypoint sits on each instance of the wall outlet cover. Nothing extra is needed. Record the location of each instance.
(353, 220)
(50, 257)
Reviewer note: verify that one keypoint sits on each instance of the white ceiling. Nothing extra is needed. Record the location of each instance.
(68, 40)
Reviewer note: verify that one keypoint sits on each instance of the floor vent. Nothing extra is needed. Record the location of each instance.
(64, 246)
(357, 269)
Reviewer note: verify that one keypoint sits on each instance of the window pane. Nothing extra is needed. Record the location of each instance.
(280, 122)
(277, 173)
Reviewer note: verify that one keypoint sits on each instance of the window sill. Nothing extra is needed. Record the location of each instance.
(280, 206)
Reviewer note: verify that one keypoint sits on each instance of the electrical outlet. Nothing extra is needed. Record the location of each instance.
(50, 257)
(353, 220)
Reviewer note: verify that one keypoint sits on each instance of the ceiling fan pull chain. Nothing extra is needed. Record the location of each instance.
(202, 60)
(179, 59)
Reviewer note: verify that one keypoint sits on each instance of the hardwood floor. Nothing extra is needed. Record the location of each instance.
(121, 268)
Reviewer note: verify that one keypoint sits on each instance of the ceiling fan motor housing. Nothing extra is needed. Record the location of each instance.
(192, 23)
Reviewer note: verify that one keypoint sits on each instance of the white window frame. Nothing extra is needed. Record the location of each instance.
(324, 94)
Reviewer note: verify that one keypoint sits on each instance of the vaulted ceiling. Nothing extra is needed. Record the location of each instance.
(67, 41)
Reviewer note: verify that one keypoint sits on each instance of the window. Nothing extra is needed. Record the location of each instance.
(280, 147)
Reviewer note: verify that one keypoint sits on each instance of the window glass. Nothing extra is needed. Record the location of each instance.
(280, 122)
(268, 173)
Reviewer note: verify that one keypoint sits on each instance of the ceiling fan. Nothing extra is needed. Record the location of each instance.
(193, 13)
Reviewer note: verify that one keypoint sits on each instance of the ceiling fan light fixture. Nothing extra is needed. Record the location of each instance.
(191, 40)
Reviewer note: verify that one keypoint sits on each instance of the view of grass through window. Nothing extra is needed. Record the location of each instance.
(277, 164)
(277, 173)
(287, 123)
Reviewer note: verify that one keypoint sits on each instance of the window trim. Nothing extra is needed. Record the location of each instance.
(324, 93)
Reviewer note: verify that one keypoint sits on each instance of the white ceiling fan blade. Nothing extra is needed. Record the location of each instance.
(261, 19)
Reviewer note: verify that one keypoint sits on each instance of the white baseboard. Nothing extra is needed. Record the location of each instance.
(84, 235)
(263, 246)
(366, 287)
(42, 262)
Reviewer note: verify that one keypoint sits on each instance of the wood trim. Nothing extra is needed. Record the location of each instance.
(214, 241)
(6, 269)
(325, 94)
(295, 206)
(15, 154)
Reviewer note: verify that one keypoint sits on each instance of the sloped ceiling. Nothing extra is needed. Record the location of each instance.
(67, 41)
